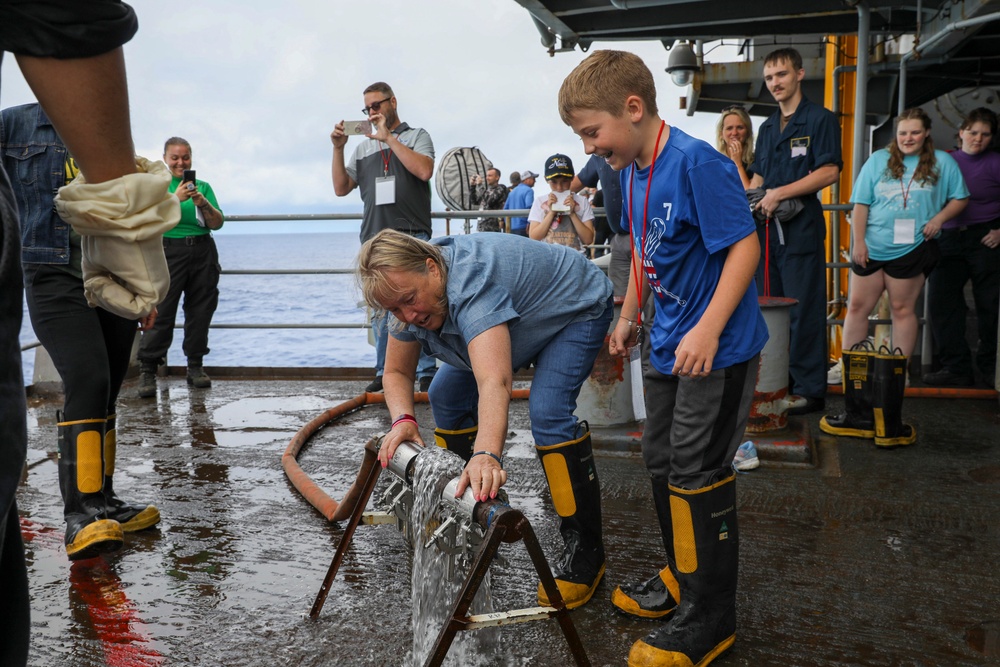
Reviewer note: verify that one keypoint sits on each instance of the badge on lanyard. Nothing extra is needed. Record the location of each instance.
(904, 231)
(635, 375)
(385, 190)
(799, 146)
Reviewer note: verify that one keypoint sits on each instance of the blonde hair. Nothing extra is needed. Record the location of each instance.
(720, 143)
(387, 251)
(927, 171)
(603, 81)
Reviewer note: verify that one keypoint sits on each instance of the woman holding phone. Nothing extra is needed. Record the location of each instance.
(194, 272)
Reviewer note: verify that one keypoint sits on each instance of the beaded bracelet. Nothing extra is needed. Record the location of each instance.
(489, 454)
(631, 323)
(402, 419)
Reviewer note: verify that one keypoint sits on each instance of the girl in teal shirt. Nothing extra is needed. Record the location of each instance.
(903, 195)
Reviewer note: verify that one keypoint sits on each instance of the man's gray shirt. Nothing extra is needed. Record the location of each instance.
(372, 160)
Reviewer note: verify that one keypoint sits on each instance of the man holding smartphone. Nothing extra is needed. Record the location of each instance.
(194, 272)
(393, 167)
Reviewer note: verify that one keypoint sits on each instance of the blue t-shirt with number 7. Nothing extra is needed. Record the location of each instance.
(697, 210)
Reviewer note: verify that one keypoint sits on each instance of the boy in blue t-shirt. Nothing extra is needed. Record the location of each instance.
(695, 249)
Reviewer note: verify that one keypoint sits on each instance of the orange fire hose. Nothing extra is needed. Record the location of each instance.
(332, 509)
(934, 392)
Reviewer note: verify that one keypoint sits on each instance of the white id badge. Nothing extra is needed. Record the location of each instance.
(904, 231)
(385, 190)
(635, 375)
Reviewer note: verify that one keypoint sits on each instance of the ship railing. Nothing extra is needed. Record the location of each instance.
(467, 219)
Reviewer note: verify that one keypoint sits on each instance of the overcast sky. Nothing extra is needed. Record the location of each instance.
(257, 87)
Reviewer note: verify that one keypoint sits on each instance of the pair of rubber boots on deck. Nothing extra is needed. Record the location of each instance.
(696, 592)
(96, 518)
(576, 493)
(874, 383)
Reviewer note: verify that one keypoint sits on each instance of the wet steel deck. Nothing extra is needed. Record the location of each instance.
(867, 558)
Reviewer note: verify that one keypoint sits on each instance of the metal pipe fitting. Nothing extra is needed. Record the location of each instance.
(402, 461)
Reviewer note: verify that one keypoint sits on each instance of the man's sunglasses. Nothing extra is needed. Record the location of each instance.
(374, 106)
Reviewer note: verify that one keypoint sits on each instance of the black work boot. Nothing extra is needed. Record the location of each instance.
(196, 375)
(147, 379)
(706, 548)
(656, 597)
(576, 493)
(89, 531)
(131, 517)
(460, 442)
(889, 386)
(858, 418)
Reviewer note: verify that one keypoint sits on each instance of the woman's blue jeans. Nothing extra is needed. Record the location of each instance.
(560, 370)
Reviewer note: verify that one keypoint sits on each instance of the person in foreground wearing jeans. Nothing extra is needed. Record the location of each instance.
(487, 305)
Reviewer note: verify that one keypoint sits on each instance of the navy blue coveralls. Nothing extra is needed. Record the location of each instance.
(796, 257)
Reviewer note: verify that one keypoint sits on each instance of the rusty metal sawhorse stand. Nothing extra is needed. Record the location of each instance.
(502, 524)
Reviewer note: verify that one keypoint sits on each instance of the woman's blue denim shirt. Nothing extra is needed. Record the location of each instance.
(35, 160)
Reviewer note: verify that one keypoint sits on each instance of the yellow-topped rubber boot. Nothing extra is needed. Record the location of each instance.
(706, 553)
(576, 494)
(858, 419)
(89, 531)
(132, 517)
(654, 598)
(657, 597)
(460, 442)
(890, 386)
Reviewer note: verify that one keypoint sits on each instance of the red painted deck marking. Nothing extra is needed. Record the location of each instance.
(113, 617)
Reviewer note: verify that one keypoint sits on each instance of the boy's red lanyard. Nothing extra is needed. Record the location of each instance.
(631, 232)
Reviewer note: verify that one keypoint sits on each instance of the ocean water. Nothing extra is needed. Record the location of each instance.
(284, 299)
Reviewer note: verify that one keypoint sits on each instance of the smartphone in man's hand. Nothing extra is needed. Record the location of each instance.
(357, 127)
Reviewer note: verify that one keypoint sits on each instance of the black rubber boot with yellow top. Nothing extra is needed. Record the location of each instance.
(460, 442)
(89, 531)
(857, 420)
(656, 597)
(889, 388)
(131, 517)
(576, 493)
(706, 554)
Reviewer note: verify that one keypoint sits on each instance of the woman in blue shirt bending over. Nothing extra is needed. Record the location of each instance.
(903, 195)
(487, 305)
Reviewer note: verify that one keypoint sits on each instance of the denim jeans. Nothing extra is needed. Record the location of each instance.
(560, 370)
(426, 367)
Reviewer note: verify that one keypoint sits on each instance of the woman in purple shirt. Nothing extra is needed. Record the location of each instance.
(969, 251)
